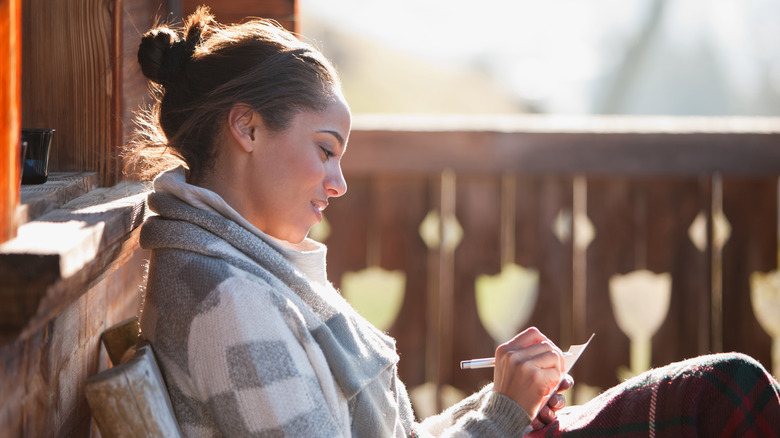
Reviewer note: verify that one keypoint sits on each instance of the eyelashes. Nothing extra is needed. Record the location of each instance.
(327, 152)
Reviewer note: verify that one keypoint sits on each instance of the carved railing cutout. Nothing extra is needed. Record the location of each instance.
(505, 301)
(765, 298)
(640, 302)
(377, 294)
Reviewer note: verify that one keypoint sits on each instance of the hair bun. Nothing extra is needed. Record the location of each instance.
(162, 54)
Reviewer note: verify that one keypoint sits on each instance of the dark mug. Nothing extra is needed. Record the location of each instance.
(23, 155)
(36, 163)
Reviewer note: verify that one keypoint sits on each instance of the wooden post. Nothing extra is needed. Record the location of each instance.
(10, 102)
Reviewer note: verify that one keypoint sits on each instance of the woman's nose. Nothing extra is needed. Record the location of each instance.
(335, 184)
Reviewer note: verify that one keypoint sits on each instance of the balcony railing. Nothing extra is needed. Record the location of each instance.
(653, 233)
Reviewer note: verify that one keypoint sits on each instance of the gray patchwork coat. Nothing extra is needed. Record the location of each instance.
(250, 346)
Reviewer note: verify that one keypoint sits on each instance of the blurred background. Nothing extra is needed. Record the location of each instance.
(660, 254)
(682, 57)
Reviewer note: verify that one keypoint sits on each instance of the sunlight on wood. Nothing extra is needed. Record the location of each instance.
(376, 294)
(765, 297)
(506, 301)
(640, 302)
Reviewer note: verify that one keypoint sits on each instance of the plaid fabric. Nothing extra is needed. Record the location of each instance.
(722, 395)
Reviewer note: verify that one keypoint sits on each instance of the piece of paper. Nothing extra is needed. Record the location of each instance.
(570, 357)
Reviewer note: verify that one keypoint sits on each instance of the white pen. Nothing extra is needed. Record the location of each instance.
(570, 356)
(487, 362)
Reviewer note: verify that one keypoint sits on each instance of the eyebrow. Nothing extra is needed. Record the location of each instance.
(335, 134)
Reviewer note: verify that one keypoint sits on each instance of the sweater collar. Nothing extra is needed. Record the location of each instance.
(309, 255)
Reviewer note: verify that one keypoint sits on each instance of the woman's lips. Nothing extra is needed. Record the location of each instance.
(318, 207)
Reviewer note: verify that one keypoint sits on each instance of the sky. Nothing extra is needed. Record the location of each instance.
(562, 54)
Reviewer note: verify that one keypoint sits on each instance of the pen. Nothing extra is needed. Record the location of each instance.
(474, 364)
(487, 362)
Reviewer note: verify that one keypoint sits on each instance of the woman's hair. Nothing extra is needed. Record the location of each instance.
(199, 76)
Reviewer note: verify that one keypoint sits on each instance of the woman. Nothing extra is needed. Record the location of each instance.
(251, 337)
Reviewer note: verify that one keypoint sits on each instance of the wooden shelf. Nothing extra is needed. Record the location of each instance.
(77, 236)
(62, 187)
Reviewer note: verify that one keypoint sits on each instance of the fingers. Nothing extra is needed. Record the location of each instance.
(566, 383)
(531, 343)
(546, 416)
(527, 337)
(547, 413)
(556, 402)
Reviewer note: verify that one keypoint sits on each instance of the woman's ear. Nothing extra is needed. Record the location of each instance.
(244, 124)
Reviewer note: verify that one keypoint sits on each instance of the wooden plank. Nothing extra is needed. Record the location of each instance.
(10, 102)
(478, 210)
(61, 187)
(42, 379)
(67, 81)
(642, 224)
(93, 234)
(750, 206)
(523, 147)
(539, 202)
(398, 208)
(667, 209)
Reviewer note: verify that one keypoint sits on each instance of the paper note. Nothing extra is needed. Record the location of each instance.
(569, 359)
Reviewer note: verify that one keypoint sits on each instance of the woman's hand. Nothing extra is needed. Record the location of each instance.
(527, 368)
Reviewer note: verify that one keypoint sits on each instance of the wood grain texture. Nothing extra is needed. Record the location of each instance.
(130, 399)
(94, 233)
(67, 81)
(42, 377)
(596, 146)
(60, 188)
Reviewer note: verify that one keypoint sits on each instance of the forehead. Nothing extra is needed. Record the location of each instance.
(336, 117)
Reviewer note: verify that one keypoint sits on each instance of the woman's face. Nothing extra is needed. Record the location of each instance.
(297, 170)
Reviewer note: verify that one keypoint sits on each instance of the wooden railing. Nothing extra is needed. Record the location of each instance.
(565, 208)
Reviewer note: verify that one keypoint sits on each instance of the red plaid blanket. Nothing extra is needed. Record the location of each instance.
(723, 395)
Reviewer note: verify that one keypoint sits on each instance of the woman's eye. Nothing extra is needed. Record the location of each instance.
(328, 153)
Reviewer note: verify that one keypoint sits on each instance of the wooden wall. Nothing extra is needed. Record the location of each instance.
(42, 376)
(67, 81)
(80, 77)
